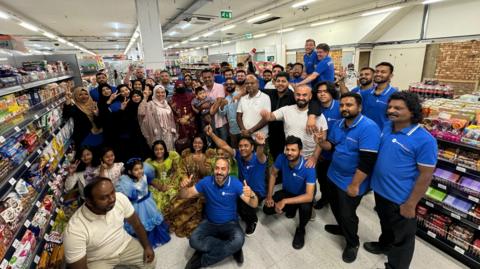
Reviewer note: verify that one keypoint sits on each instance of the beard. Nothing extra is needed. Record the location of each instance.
(302, 104)
(240, 82)
(365, 82)
(292, 158)
(348, 115)
(230, 89)
(379, 80)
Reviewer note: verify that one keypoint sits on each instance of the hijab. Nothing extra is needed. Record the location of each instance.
(86, 107)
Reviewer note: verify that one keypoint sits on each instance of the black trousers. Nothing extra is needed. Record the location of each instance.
(246, 212)
(397, 232)
(344, 208)
(305, 209)
(322, 169)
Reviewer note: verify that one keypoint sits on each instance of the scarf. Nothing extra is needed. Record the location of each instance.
(86, 107)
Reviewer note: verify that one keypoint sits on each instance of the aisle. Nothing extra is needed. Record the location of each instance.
(271, 246)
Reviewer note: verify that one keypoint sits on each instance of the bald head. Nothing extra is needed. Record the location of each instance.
(251, 85)
(303, 95)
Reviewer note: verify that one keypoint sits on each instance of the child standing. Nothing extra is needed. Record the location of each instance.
(201, 105)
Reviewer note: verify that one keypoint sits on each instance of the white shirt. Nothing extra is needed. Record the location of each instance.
(295, 123)
(251, 108)
(271, 86)
(98, 237)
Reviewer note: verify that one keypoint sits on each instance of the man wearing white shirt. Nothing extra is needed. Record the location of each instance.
(248, 111)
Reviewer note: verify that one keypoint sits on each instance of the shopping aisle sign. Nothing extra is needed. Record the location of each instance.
(226, 14)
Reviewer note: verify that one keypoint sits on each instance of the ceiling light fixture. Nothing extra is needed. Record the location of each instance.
(380, 11)
(285, 30)
(172, 33)
(70, 44)
(185, 26)
(197, 48)
(29, 26)
(194, 38)
(4, 15)
(227, 42)
(228, 27)
(215, 44)
(322, 23)
(49, 35)
(426, 2)
(62, 40)
(259, 35)
(184, 42)
(258, 18)
(208, 33)
(303, 3)
(176, 45)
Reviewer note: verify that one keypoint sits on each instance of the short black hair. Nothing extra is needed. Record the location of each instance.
(223, 64)
(386, 64)
(331, 89)
(240, 64)
(207, 70)
(241, 71)
(88, 190)
(356, 96)
(187, 75)
(290, 65)
(99, 74)
(300, 64)
(165, 71)
(310, 40)
(199, 89)
(278, 66)
(283, 74)
(227, 70)
(412, 102)
(324, 47)
(267, 71)
(165, 149)
(248, 138)
(104, 151)
(368, 68)
(290, 140)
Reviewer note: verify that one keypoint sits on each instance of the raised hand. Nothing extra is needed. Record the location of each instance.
(95, 109)
(112, 97)
(260, 138)
(320, 136)
(72, 168)
(269, 201)
(186, 181)
(124, 104)
(265, 114)
(208, 130)
(247, 191)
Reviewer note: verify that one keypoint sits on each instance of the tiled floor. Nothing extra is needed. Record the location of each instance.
(271, 246)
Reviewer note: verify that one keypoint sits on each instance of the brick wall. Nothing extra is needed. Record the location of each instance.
(459, 61)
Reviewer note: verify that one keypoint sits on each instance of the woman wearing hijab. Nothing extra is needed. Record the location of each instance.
(156, 119)
(83, 110)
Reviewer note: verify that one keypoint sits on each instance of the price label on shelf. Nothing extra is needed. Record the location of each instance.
(2, 139)
(4, 264)
(16, 243)
(48, 109)
(473, 199)
(36, 117)
(432, 234)
(455, 216)
(27, 223)
(12, 181)
(28, 164)
(441, 186)
(17, 129)
(56, 210)
(461, 169)
(459, 250)
(38, 204)
(51, 223)
(429, 204)
(36, 259)
(39, 151)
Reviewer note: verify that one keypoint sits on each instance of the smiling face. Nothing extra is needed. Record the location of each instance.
(303, 94)
(349, 108)
(103, 197)
(208, 79)
(106, 91)
(159, 151)
(383, 74)
(109, 158)
(86, 157)
(398, 111)
(321, 54)
(292, 151)
(137, 85)
(366, 77)
(160, 94)
(324, 95)
(309, 46)
(137, 171)
(125, 92)
(221, 171)
(83, 97)
(246, 148)
(136, 98)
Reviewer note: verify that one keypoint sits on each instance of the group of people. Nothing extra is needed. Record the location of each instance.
(194, 156)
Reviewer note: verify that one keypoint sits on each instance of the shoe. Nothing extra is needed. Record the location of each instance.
(320, 204)
(250, 229)
(291, 215)
(299, 238)
(333, 229)
(350, 254)
(195, 261)
(314, 214)
(238, 256)
(375, 248)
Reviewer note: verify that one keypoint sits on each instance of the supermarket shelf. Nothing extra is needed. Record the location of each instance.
(448, 247)
(30, 85)
(41, 242)
(464, 170)
(460, 216)
(458, 144)
(455, 191)
(32, 116)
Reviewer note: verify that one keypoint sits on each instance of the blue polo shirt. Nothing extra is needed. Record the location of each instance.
(400, 153)
(220, 79)
(95, 94)
(295, 80)
(375, 106)
(221, 202)
(332, 115)
(310, 61)
(295, 180)
(325, 70)
(359, 90)
(253, 171)
(362, 135)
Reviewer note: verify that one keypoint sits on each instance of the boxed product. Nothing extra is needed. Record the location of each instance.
(445, 176)
(457, 203)
(460, 235)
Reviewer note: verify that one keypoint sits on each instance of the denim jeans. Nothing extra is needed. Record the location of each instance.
(217, 241)
(222, 132)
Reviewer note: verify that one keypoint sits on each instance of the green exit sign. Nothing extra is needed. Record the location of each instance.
(226, 14)
(248, 35)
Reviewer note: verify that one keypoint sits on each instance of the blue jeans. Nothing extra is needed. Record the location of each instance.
(222, 132)
(217, 241)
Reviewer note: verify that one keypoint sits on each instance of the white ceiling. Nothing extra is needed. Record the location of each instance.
(105, 26)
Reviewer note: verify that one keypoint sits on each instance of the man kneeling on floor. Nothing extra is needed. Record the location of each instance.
(219, 235)
(297, 189)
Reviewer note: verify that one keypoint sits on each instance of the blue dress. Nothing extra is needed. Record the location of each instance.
(146, 209)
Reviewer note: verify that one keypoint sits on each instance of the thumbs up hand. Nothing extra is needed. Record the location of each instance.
(247, 192)
(186, 181)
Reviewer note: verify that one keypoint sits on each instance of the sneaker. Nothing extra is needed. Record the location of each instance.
(314, 214)
(375, 248)
(299, 238)
(333, 229)
(350, 254)
(195, 261)
(250, 229)
(320, 204)
(238, 256)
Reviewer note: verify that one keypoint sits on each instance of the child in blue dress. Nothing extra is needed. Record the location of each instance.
(134, 184)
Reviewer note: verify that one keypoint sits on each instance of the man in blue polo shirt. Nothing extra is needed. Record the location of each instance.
(298, 186)
(365, 81)
(354, 141)
(324, 70)
(251, 167)
(310, 58)
(327, 96)
(219, 235)
(406, 161)
(297, 73)
(101, 80)
(375, 101)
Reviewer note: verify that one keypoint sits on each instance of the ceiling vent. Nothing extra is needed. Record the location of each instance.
(267, 20)
(200, 20)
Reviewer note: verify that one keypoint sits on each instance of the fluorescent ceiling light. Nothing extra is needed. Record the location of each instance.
(197, 48)
(259, 35)
(228, 27)
(36, 45)
(206, 46)
(4, 15)
(184, 42)
(227, 42)
(49, 35)
(194, 38)
(176, 45)
(213, 45)
(322, 23)
(70, 44)
(62, 40)
(426, 2)
(300, 4)
(185, 26)
(258, 18)
(172, 33)
(379, 11)
(285, 30)
(208, 33)
(29, 26)
(135, 35)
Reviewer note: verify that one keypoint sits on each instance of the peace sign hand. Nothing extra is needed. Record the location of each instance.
(124, 104)
(72, 168)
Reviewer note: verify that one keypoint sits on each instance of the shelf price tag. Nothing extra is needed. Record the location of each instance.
(461, 169)
(37, 259)
(16, 243)
(432, 234)
(27, 223)
(56, 210)
(455, 216)
(441, 186)
(12, 181)
(38, 204)
(17, 129)
(429, 204)
(28, 164)
(51, 222)
(473, 199)
(2, 139)
(459, 250)
(36, 116)
(4, 264)
(39, 151)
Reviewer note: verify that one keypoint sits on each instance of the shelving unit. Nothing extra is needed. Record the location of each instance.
(26, 86)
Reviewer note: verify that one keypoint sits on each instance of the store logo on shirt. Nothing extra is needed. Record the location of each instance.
(227, 193)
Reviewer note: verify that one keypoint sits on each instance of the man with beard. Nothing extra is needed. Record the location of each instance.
(276, 69)
(220, 78)
(102, 80)
(248, 111)
(251, 166)
(297, 73)
(228, 108)
(298, 186)
(241, 76)
(139, 75)
(403, 172)
(365, 80)
(375, 101)
(354, 141)
(163, 78)
(310, 58)
(219, 235)
(324, 70)
(295, 118)
(216, 92)
(266, 78)
(95, 237)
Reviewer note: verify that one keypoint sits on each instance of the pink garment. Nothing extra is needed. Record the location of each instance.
(217, 91)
